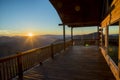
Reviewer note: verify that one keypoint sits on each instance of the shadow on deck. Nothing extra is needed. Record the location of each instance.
(76, 63)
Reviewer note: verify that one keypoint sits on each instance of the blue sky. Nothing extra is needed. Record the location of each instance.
(22, 16)
(19, 17)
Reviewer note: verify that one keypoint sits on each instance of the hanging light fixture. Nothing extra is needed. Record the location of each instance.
(59, 4)
(77, 8)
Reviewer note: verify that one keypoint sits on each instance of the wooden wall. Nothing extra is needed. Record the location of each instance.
(113, 15)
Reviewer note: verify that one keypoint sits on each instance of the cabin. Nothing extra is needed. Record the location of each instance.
(66, 60)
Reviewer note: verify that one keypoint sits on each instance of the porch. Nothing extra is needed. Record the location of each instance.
(76, 63)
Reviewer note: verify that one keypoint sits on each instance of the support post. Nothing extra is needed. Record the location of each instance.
(72, 35)
(98, 39)
(119, 51)
(64, 36)
(106, 38)
(101, 36)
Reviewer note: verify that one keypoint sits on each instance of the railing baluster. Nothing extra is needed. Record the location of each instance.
(23, 62)
(7, 69)
(4, 71)
(1, 72)
(15, 67)
(12, 61)
(12, 70)
(40, 57)
(52, 52)
(26, 62)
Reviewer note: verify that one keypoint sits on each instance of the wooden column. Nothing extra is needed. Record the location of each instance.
(101, 36)
(98, 36)
(64, 36)
(119, 51)
(72, 35)
(106, 38)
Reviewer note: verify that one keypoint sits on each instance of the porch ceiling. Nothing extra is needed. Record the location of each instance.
(80, 13)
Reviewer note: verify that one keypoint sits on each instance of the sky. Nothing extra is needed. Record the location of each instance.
(22, 16)
(19, 17)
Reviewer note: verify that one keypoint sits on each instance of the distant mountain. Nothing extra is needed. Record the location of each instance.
(87, 36)
(57, 36)
(12, 45)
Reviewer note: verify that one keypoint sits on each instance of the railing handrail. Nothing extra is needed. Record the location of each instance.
(114, 68)
(85, 39)
(20, 54)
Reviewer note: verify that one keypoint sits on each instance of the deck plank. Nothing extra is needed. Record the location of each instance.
(76, 63)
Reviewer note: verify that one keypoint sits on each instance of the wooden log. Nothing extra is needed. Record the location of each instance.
(114, 14)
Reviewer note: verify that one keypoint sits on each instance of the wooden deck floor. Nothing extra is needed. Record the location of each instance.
(77, 63)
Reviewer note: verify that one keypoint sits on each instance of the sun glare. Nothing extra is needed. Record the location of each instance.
(30, 34)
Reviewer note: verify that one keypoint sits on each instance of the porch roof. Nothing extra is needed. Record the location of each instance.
(81, 13)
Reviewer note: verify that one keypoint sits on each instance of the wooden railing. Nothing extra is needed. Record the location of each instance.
(85, 41)
(114, 68)
(15, 65)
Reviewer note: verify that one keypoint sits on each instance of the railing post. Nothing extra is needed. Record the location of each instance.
(20, 70)
(52, 51)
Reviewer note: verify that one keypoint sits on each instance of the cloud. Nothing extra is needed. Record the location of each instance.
(6, 33)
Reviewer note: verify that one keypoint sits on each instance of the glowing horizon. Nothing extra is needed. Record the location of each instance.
(30, 34)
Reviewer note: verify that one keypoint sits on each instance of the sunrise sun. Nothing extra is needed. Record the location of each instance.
(30, 34)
